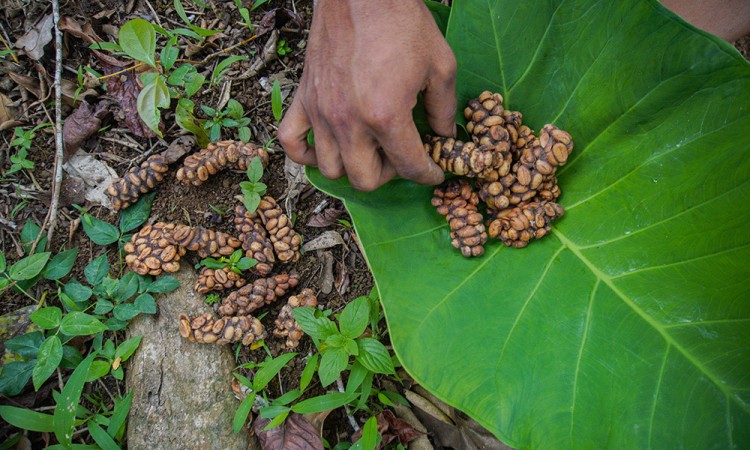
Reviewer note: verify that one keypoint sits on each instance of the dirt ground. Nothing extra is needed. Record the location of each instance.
(25, 196)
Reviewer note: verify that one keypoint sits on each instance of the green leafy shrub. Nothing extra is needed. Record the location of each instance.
(627, 326)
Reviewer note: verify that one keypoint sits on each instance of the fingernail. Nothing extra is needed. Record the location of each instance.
(455, 130)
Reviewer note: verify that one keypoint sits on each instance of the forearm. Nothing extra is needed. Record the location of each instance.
(728, 19)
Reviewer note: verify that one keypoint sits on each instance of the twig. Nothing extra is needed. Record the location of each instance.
(12, 53)
(156, 16)
(225, 51)
(58, 124)
(352, 422)
(133, 67)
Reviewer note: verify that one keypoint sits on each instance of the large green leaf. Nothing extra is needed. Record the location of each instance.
(629, 326)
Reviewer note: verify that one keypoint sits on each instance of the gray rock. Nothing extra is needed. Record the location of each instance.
(181, 390)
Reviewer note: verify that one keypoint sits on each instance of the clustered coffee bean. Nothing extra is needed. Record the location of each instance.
(218, 280)
(514, 173)
(286, 326)
(198, 167)
(262, 291)
(138, 181)
(254, 240)
(286, 242)
(150, 251)
(225, 330)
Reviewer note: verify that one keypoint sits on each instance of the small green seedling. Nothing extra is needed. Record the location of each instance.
(283, 48)
(230, 117)
(235, 262)
(253, 189)
(276, 101)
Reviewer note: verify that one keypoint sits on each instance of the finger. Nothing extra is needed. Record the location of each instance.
(365, 164)
(404, 149)
(292, 135)
(440, 96)
(328, 152)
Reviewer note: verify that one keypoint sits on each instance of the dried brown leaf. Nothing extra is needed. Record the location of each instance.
(36, 38)
(81, 125)
(125, 88)
(391, 427)
(342, 279)
(282, 19)
(296, 433)
(451, 427)
(326, 240)
(325, 218)
(87, 33)
(178, 148)
(326, 276)
(28, 83)
(7, 113)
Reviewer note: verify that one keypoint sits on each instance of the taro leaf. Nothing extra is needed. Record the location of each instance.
(627, 327)
(296, 433)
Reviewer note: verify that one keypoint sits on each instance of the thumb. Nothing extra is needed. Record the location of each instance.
(292, 135)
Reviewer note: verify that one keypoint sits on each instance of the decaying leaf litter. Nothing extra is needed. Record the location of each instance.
(105, 139)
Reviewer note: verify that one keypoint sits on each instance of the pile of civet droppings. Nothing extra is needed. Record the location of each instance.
(513, 174)
(266, 235)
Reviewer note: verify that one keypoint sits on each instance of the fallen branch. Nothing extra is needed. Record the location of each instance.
(59, 150)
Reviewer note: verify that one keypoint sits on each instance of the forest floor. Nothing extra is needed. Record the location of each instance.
(272, 51)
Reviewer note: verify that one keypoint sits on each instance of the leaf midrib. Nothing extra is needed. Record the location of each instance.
(660, 328)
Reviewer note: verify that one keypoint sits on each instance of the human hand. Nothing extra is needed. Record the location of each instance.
(366, 62)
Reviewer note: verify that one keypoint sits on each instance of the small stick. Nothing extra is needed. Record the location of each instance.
(352, 422)
(58, 124)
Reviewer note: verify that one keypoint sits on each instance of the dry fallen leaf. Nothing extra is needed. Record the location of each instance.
(28, 83)
(450, 427)
(280, 19)
(81, 125)
(296, 433)
(35, 39)
(325, 218)
(7, 113)
(326, 277)
(178, 148)
(96, 174)
(342, 279)
(328, 239)
(391, 427)
(125, 89)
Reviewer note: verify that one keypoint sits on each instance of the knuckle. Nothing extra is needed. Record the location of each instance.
(364, 184)
(381, 117)
(337, 116)
(446, 67)
(332, 172)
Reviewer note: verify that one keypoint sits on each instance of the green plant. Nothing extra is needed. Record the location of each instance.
(230, 117)
(253, 189)
(244, 13)
(630, 310)
(103, 233)
(342, 348)
(258, 3)
(69, 414)
(265, 372)
(235, 262)
(223, 66)
(22, 140)
(212, 298)
(276, 101)
(283, 48)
